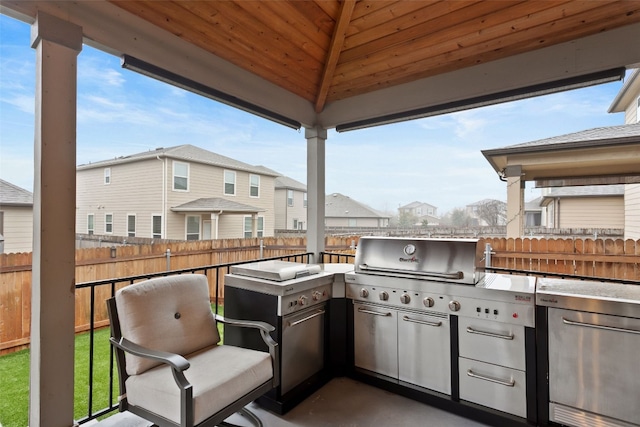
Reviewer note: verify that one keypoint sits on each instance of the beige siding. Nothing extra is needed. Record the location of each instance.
(135, 189)
(592, 212)
(280, 207)
(631, 112)
(632, 211)
(360, 222)
(18, 228)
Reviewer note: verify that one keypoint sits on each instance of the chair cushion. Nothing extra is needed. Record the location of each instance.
(168, 314)
(220, 375)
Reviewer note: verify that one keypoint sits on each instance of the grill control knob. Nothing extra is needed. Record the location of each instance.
(428, 302)
(454, 305)
(405, 298)
(384, 296)
(316, 295)
(364, 293)
(302, 300)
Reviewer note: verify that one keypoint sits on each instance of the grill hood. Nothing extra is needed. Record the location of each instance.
(448, 260)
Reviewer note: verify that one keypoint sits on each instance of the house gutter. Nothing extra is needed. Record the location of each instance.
(164, 197)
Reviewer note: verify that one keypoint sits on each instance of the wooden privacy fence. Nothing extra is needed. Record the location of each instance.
(95, 264)
(598, 258)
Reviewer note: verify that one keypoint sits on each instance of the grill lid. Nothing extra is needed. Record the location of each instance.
(450, 260)
(276, 270)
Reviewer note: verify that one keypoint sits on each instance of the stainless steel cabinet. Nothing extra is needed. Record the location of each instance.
(593, 367)
(424, 351)
(375, 339)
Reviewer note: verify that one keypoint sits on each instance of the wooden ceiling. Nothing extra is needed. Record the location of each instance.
(325, 51)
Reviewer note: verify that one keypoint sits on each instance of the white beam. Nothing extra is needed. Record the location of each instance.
(57, 45)
(316, 139)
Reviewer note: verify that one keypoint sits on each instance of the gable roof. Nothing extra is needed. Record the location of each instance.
(12, 195)
(284, 182)
(485, 201)
(415, 205)
(627, 94)
(185, 152)
(340, 206)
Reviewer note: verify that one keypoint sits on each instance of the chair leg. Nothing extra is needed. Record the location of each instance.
(253, 419)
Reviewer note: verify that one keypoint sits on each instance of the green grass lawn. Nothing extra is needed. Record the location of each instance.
(14, 380)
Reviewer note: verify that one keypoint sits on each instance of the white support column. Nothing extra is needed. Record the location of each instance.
(316, 138)
(515, 202)
(214, 225)
(57, 44)
(254, 225)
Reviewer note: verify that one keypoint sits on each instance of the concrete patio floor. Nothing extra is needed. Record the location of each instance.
(344, 402)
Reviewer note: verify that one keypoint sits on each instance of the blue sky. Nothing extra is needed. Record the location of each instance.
(437, 160)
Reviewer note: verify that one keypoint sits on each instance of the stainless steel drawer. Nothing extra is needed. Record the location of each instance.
(493, 386)
(492, 342)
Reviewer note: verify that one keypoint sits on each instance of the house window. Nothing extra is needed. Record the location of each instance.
(108, 223)
(107, 176)
(193, 228)
(254, 185)
(289, 197)
(156, 227)
(131, 225)
(295, 223)
(304, 200)
(180, 176)
(1, 223)
(259, 227)
(353, 222)
(230, 183)
(90, 224)
(638, 110)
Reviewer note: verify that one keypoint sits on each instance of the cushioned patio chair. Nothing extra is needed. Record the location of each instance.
(172, 369)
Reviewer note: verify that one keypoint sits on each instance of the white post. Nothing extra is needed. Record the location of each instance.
(316, 138)
(515, 202)
(57, 44)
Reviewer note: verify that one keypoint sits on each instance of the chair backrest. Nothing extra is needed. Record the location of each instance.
(170, 314)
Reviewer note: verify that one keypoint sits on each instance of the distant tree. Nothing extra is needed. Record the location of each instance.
(406, 219)
(460, 218)
(493, 212)
(425, 223)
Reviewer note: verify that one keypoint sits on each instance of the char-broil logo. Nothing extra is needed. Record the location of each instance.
(525, 298)
(409, 250)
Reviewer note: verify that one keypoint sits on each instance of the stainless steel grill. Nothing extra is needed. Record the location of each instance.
(425, 315)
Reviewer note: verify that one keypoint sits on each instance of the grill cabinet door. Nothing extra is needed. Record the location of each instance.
(424, 351)
(375, 339)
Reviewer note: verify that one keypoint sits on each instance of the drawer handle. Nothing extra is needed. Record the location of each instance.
(422, 322)
(489, 334)
(363, 310)
(304, 319)
(606, 328)
(493, 380)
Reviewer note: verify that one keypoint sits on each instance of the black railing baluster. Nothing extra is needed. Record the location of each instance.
(92, 325)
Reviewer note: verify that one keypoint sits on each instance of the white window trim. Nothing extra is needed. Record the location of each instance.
(186, 226)
(152, 233)
(224, 182)
(258, 230)
(638, 110)
(135, 224)
(173, 176)
(290, 204)
(251, 186)
(94, 223)
(305, 202)
(107, 176)
(105, 223)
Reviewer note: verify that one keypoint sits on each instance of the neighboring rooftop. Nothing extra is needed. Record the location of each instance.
(587, 191)
(340, 206)
(289, 183)
(13, 195)
(186, 152)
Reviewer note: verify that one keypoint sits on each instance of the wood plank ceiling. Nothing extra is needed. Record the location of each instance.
(325, 51)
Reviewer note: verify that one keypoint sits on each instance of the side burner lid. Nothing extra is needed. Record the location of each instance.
(276, 270)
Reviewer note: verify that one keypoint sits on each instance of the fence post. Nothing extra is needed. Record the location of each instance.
(261, 248)
(487, 255)
(168, 259)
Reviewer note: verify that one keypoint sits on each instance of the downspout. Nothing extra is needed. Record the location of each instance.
(164, 197)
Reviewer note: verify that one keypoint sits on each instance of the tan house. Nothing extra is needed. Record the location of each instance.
(421, 212)
(628, 101)
(182, 192)
(16, 218)
(343, 211)
(590, 206)
(290, 204)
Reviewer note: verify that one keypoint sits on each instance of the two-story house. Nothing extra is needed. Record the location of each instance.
(420, 213)
(16, 218)
(290, 204)
(628, 101)
(343, 211)
(181, 192)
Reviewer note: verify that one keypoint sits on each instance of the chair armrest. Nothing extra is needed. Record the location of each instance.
(264, 328)
(176, 361)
